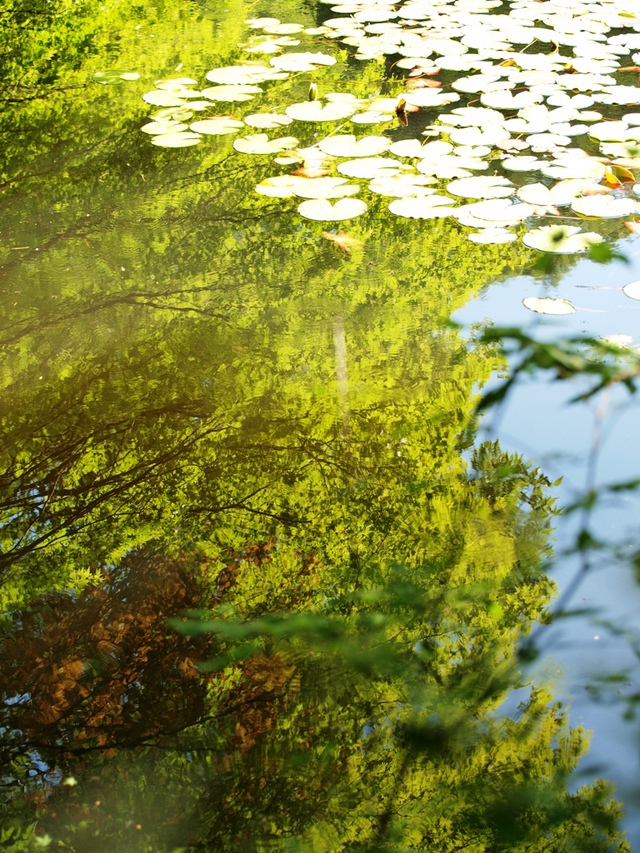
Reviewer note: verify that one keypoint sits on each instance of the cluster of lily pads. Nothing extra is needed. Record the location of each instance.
(524, 97)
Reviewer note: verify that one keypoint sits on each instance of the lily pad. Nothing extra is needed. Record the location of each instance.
(370, 167)
(424, 207)
(316, 111)
(176, 140)
(547, 305)
(492, 236)
(502, 210)
(346, 145)
(401, 185)
(323, 210)
(259, 143)
(231, 93)
(280, 186)
(160, 98)
(302, 61)
(632, 290)
(242, 75)
(218, 126)
(560, 239)
(324, 188)
(154, 128)
(267, 121)
(605, 206)
(114, 78)
(494, 186)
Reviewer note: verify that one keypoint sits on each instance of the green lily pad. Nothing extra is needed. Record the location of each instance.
(259, 143)
(490, 186)
(280, 186)
(160, 98)
(154, 128)
(218, 126)
(267, 121)
(632, 290)
(560, 239)
(399, 185)
(605, 206)
(546, 305)
(492, 236)
(176, 140)
(302, 61)
(114, 78)
(243, 75)
(423, 207)
(316, 111)
(370, 167)
(323, 210)
(231, 93)
(346, 145)
(324, 188)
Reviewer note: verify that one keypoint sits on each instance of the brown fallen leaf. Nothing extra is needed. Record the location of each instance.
(630, 68)
(311, 172)
(598, 189)
(421, 83)
(343, 241)
(623, 174)
(632, 226)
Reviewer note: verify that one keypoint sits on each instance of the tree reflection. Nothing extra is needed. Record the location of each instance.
(180, 434)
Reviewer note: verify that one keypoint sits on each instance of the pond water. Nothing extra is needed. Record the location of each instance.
(268, 581)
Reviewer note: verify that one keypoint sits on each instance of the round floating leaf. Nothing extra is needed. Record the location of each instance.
(260, 23)
(259, 143)
(401, 185)
(346, 145)
(605, 206)
(415, 148)
(491, 135)
(472, 117)
(175, 82)
(562, 193)
(371, 117)
(217, 126)
(483, 187)
(160, 98)
(426, 207)
(267, 121)
(547, 305)
(324, 187)
(493, 236)
(239, 75)
(302, 61)
(316, 111)
(521, 164)
(502, 210)
(231, 93)
(572, 166)
(323, 210)
(503, 99)
(370, 167)
(280, 186)
(632, 290)
(156, 127)
(430, 98)
(560, 239)
(198, 106)
(176, 140)
(283, 29)
(114, 78)
(620, 341)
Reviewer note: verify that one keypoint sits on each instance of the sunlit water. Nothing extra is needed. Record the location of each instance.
(209, 404)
